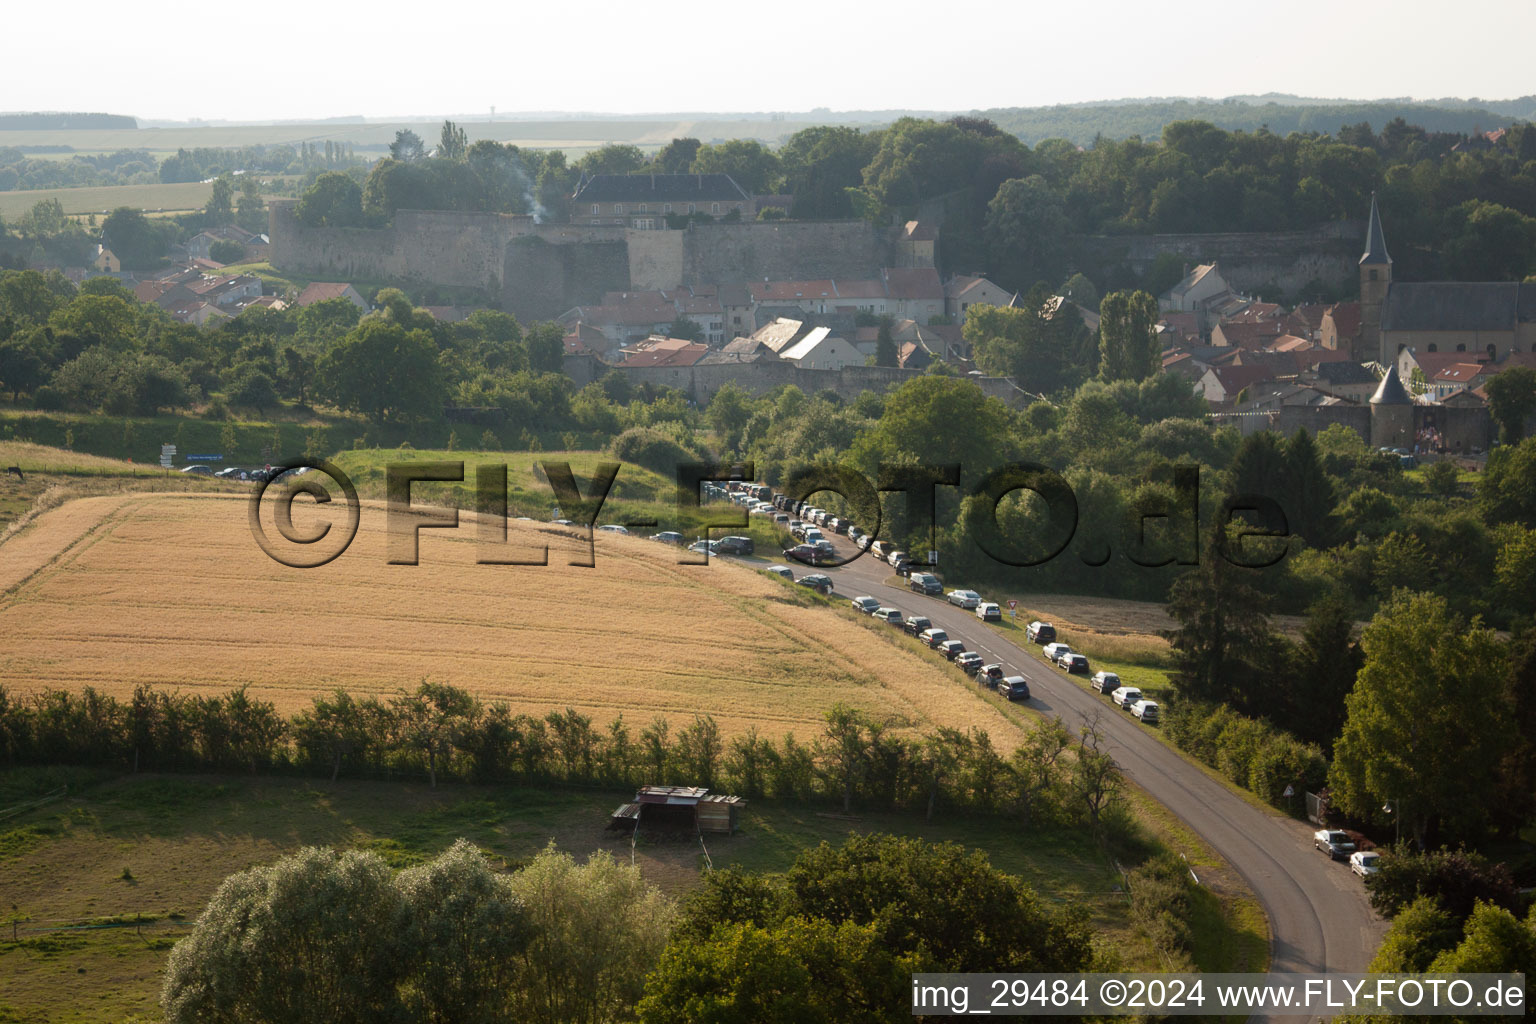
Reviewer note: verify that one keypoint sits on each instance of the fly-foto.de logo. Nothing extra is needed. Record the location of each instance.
(1160, 528)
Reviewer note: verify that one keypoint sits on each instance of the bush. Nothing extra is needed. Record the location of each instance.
(48, 398)
(1162, 902)
(216, 410)
(1251, 753)
(1455, 879)
(649, 447)
(226, 251)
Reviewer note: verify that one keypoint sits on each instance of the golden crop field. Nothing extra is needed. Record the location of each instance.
(179, 196)
(171, 590)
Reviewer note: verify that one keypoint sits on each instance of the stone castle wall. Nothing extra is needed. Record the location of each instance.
(702, 381)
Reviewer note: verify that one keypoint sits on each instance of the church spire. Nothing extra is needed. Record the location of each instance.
(1375, 241)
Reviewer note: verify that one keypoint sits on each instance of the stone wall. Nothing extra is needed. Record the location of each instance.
(542, 270)
(1249, 261)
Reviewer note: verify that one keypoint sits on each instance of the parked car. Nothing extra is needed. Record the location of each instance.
(1052, 651)
(1146, 710)
(700, 547)
(1038, 632)
(1014, 688)
(802, 553)
(1105, 682)
(1075, 664)
(990, 675)
(863, 542)
(891, 615)
(782, 570)
(967, 599)
(1125, 697)
(893, 557)
(855, 534)
(1365, 863)
(817, 582)
(880, 548)
(969, 662)
(866, 604)
(916, 624)
(933, 637)
(668, 537)
(824, 546)
(198, 470)
(736, 545)
(951, 649)
(925, 583)
(988, 612)
(613, 528)
(1334, 843)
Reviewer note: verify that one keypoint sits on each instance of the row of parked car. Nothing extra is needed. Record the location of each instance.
(1337, 844)
(1127, 698)
(993, 676)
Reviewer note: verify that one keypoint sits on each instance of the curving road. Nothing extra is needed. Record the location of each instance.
(1319, 916)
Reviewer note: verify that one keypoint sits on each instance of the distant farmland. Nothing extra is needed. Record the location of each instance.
(171, 590)
(175, 197)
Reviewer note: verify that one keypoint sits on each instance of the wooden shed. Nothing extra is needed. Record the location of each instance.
(683, 808)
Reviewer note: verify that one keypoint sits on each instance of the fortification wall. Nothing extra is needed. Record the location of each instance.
(784, 251)
(1250, 261)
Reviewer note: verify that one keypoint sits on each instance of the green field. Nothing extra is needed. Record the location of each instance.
(106, 198)
(110, 876)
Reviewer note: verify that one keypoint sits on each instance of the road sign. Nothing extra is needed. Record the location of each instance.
(933, 558)
(167, 455)
(1289, 791)
(1012, 605)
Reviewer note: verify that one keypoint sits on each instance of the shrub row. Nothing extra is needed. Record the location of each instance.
(442, 731)
(1249, 751)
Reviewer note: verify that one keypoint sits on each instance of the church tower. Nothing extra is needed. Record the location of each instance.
(1375, 279)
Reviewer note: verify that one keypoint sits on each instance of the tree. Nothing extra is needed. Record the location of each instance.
(407, 147)
(431, 720)
(1328, 659)
(545, 342)
(686, 328)
(749, 163)
(1455, 879)
(1128, 342)
(226, 251)
(1427, 722)
(250, 211)
(1026, 232)
(254, 388)
(885, 345)
(333, 201)
(597, 930)
(1507, 492)
(729, 411)
(129, 234)
(461, 931)
(1222, 626)
(221, 207)
(302, 940)
(452, 144)
(676, 157)
(385, 372)
(1512, 398)
(23, 365)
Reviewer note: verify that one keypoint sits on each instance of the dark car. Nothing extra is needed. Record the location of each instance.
(806, 553)
(1075, 664)
(736, 546)
(1040, 632)
(916, 624)
(933, 637)
(817, 582)
(951, 649)
(990, 675)
(1014, 688)
(925, 583)
(969, 662)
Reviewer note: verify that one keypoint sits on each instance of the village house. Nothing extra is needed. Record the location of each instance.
(962, 291)
(320, 291)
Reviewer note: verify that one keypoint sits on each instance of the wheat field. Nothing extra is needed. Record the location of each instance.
(172, 590)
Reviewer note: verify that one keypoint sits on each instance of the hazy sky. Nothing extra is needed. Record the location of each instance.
(318, 58)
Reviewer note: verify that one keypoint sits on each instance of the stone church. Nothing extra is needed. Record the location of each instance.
(1485, 319)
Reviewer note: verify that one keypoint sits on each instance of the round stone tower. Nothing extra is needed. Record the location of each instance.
(1391, 413)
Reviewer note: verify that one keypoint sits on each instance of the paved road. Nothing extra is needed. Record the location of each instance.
(1318, 912)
